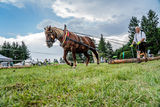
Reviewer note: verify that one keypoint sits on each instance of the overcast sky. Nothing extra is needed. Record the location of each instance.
(25, 20)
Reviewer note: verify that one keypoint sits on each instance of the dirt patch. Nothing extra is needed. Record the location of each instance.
(17, 86)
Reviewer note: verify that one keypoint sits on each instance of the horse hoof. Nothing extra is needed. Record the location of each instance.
(98, 63)
(71, 64)
(74, 67)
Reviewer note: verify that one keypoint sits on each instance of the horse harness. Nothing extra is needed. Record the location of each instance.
(80, 43)
(66, 36)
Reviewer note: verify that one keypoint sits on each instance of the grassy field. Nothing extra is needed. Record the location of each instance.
(103, 85)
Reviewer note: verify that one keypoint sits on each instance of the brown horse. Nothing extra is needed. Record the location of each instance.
(53, 33)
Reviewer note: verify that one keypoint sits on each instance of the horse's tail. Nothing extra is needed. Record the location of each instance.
(94, 52)
(92, 44)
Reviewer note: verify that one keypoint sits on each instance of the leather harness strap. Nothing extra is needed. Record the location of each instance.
(65, 37)
(86, 40)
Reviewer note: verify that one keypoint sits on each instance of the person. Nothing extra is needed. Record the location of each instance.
(23, 63)
(140, 40)
(45, 62)
(49, 62)
(11, 64)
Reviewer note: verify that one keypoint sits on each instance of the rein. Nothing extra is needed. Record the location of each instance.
(59, 35)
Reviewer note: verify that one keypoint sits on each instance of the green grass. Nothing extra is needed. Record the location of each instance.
(103, 85)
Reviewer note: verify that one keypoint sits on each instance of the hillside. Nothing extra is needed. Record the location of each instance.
(103, 85)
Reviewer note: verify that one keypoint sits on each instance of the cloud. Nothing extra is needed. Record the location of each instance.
(97, 28)
(16, 3)
(83, 26)
(92, 16)
(22, 3)
(102, 10)
(48, 22)
(93, 10)
(116, 41)
(102, 16)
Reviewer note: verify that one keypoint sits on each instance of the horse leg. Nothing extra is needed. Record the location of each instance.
(65, 59)
(96, 54)
(88, 58)
(74, 57)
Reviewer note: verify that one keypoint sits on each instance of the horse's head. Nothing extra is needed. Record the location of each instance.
(50, 36)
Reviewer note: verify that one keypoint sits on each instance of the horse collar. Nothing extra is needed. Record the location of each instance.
(66, 34)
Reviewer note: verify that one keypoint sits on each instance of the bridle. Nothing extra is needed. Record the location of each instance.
(57, 32)
(50, 33)
(50, 38)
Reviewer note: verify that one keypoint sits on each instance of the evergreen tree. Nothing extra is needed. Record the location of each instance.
(109, 50)
(150, 27)
(8, 46)
(15, 51)
(3, 51)
(25, 51)
(133, 23)
(158, 31)
(102, 47)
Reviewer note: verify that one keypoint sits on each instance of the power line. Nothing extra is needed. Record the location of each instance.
(117, 43)
(116, 40)
(43, 53)
(29, 51)
(113, 40)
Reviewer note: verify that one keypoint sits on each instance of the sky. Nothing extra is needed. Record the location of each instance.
(24, 20)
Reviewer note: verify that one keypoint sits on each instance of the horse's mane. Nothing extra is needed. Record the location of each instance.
(58, 30)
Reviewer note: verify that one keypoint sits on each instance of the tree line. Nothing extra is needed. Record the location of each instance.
(15, 50)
